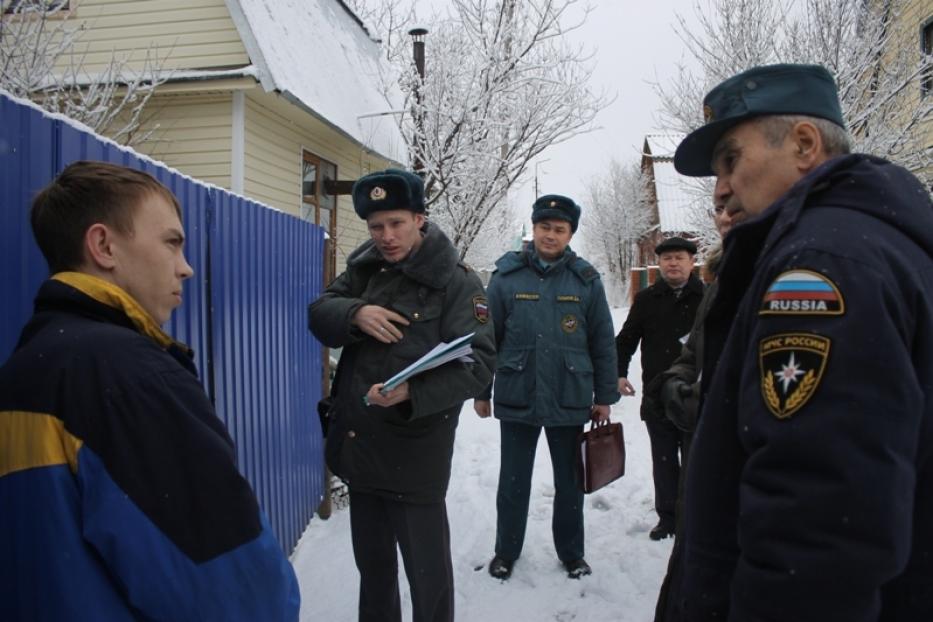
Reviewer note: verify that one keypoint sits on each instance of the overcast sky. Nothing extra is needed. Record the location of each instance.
(635, 44)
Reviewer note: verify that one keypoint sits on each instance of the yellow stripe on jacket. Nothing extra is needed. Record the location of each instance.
(31, 440)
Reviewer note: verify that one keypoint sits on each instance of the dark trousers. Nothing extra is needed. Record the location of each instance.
(666, 445)
(519, 442)
(670, 600)
(379, 525)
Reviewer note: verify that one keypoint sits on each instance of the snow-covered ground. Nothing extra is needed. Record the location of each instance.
(627, 566)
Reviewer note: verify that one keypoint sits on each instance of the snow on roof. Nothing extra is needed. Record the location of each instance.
(677, 203)
(317, 53)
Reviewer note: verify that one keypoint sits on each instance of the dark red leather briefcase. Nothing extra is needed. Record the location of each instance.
(600, 455)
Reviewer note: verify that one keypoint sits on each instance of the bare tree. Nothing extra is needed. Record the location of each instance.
(501, 86)
(39, 61)
(854, 39)
(617, 216)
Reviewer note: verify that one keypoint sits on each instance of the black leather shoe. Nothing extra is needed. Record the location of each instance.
(577, 568)
(501, 568)
(660, 531)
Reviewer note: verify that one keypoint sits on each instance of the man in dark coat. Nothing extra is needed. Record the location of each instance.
(810, 483)
(120, 497)
(660, 319)
(678, 390)
(556, 371)
(404, 292)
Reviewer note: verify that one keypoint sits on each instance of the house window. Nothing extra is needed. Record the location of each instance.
(926, 45)
(22, 7)
(318, 206)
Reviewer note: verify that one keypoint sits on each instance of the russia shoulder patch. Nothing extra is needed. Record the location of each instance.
(791, 366)
(802, 292)
(480, 309)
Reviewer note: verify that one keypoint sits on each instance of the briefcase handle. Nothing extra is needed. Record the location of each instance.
(600, 428)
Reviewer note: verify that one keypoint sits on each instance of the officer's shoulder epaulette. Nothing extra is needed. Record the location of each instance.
(584, 269)
(510, 262)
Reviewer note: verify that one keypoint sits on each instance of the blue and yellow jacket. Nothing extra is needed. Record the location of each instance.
(554, 336)
(119, 493)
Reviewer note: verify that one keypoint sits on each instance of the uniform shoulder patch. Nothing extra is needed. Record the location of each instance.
(802, 292)
(791, 366)
(480, 309)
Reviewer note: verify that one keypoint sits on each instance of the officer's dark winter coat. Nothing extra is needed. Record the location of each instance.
(658, 320)
(403, 452)
(824, 512)
(554, 335)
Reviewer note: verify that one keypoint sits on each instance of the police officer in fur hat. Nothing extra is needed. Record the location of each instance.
(810, 483)
(403, 292)
(555, 371)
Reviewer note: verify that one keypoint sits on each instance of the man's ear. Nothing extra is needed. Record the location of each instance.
(419, 219)
(98, 247)
(808, 145)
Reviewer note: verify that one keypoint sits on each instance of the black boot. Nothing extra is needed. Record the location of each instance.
(577, 568)
(501, 568)
(662, 530)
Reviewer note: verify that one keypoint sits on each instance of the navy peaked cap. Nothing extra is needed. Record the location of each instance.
(769, 90)
(558, 207)
(388, 190)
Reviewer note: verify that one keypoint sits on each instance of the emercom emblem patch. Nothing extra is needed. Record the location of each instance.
(802, 292)
(569, 323)
(791, 366)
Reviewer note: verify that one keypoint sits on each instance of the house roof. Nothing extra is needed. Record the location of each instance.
(678, 200)
(318, 54)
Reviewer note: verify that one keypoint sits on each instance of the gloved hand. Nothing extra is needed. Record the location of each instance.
(678, 402)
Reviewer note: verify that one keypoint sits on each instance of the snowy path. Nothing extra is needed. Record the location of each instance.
(627, 566)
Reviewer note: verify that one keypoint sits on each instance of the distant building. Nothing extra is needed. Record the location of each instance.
(676, 206)
(912, 31)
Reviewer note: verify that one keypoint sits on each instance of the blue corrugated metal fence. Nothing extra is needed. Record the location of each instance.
(244, 314)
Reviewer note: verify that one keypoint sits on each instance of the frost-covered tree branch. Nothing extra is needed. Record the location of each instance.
(39, 61)
(878, 79)
(617, 217)
(501, 86)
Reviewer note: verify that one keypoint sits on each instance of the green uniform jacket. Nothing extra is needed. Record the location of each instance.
(555, 340)
(403, 452)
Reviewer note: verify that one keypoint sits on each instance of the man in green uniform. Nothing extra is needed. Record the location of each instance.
(404, 291)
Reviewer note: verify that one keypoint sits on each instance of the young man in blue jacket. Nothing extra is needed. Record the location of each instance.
(810, 481)
(556, 370)
(119, 490)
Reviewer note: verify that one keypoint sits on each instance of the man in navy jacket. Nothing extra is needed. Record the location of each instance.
(810, 483)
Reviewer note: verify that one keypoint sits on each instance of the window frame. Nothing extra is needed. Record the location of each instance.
(60, 12)
(926, 49)
(315, 200)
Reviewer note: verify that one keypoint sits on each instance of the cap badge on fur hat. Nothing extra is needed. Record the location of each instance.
(391, 189)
